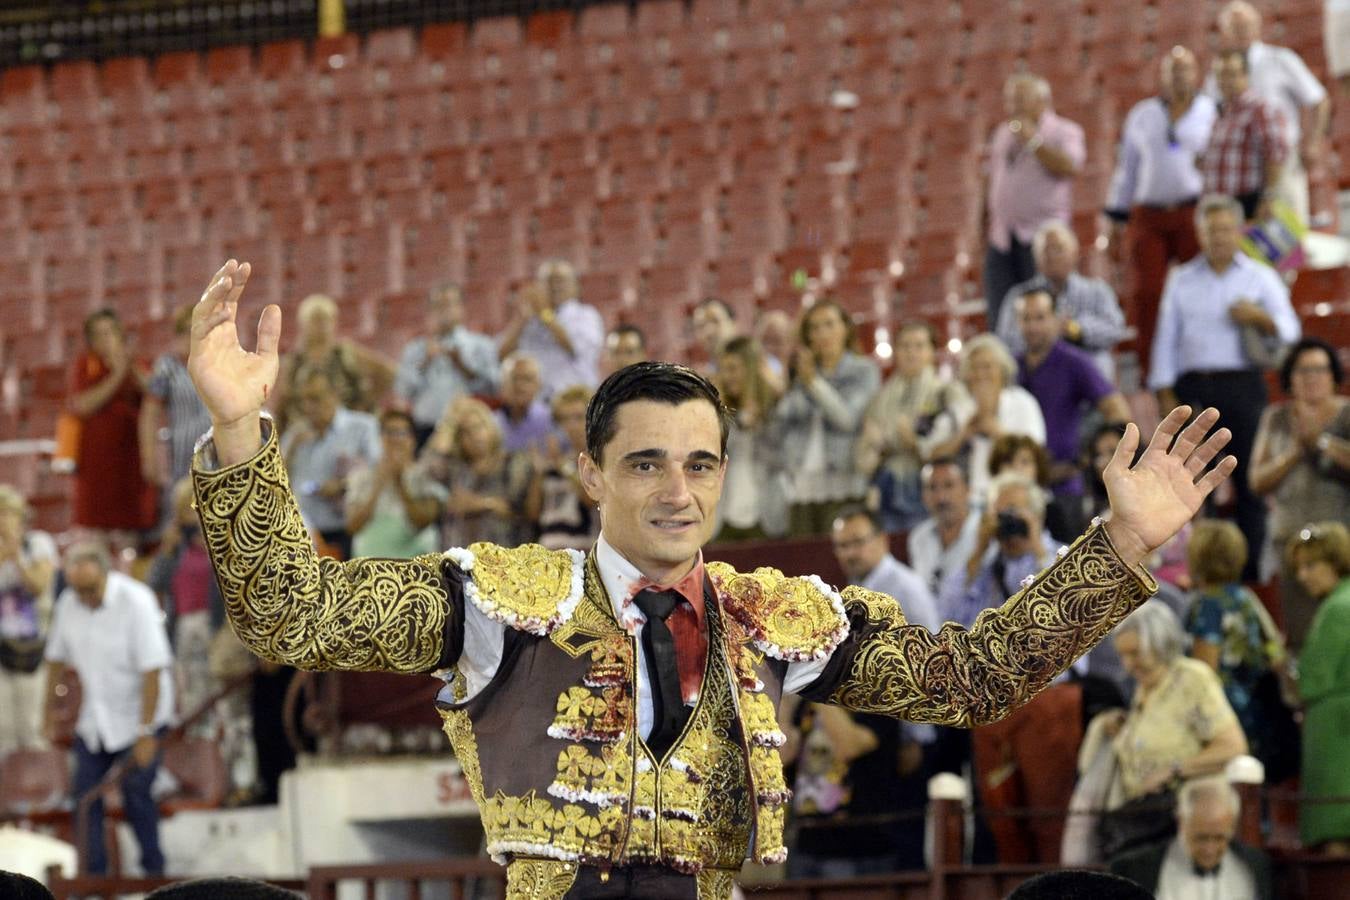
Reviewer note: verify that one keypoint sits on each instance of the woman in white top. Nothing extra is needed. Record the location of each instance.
(27, 564)
(994, 405)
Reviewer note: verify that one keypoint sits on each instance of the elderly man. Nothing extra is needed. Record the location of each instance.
(1283, 81)
(1203, 861)
(1067, 384)
(108, 628)
(450, 362)
(326, 445)
(1033, 158)
(1088, 313)
(562, 334)
(524, 414)
(615, 712)
(624, 345)
(1199, 354)
(1156, 183)
(1247, 146)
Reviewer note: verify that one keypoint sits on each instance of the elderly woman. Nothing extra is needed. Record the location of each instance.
(997, 405)
(1320, 557)
(487, 486)
(28, 560)
(752, 504)
(821, 415)
(1232, 633)
(1301, 459)
(361, 376)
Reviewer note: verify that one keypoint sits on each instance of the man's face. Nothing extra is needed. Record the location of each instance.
(105, 337)
(1180, 74)
(624, 348)
(945, 494)
(1239, 26)
(318, 403)
(86, 577)
(1023, 101)
(558, 287)
(445, 311)
(658, 484)
(913, 352)
(1207, 833)
(571, 418)
(521, 384)
(858, 546)
(1231, 77)
(1036, 317)
(1219, 236)
(712, 327)
(1058, 256)
(775, 334)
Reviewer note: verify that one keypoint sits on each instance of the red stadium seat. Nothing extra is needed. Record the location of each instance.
(444, 39)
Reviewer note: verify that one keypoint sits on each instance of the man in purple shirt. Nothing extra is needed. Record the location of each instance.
(1066, 382)
(527, 423)
(1033, 158)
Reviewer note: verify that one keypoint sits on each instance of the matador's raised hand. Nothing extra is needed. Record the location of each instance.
(1152, 499)
(233, 383)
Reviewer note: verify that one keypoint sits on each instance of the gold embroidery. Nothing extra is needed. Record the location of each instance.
(529, 587)
(715, 884)
(539, 879)
(972, 677)
(289, 605)
(789, 618)
(459, 729)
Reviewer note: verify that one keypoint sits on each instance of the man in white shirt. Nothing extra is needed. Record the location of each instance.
(1202, 862)
(864, 553)
(108, 628)
(940, 546)
(551, 325)
(1281, 79)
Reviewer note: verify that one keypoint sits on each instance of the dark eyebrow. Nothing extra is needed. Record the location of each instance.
(655, 454)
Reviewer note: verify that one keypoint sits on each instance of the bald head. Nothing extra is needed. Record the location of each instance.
(1026, 96)
(1239, 25)
(1178, 75)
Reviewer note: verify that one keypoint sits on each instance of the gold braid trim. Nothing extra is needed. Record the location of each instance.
(539, 879)
(715, 884)
(966, 678)
(289, 605)
(792, 619)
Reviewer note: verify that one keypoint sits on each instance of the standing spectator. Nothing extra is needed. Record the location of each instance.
(323, 447)
(524, 418)
(714, 325)
(1086, 308)
(1231, 633)
(773, 330)
(624, 345)
(1247, 146)
(821, 415)
(863, 550)
(1157, 182)
(1203, 860)
(551, 325)
(108, 628)
(1281, 79)
(1336, 35)
(170, 398)
(1066, 383)
(450, 362)
(558, 504)
(107, 387)
(392, 506)
(942, 545)
(1321, 556)
(1198, 352)
(486, 483)
(360, 376)
(997, 405)
(1033, 158)
(752, 504)
(27, 565)
(895, 438)
(180, 574)
(1301, 460)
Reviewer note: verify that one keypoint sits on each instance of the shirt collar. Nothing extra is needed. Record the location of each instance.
(878, 571)
(622, 581)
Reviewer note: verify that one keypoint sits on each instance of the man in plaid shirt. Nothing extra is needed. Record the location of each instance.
(1247, 144)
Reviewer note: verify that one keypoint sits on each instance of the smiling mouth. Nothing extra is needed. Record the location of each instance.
(673, 524)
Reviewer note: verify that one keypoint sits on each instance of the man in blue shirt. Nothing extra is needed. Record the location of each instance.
(1199, 355)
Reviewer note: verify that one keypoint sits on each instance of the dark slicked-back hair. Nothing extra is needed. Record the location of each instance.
(14, 886)
(1071, 884)
(222, 889)
(659, 382)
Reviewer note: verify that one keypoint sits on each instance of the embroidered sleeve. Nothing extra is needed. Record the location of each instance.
(290, 606)
(974, 676)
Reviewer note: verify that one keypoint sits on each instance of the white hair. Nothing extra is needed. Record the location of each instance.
(1211, 788)
(1159, 630)
(1039, 84)
(91, 549)
(994, 345)
(1010, 479)
(1054, 226)
(1212, 203)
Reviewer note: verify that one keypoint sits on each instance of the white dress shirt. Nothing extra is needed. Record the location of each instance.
(111, 648)
(1157, 164)
(1178, 881)
(943, 569)
(894, 578)
(1281, 78)
(1195, 332)
(585, 330)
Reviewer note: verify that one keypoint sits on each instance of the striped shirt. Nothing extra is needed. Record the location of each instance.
(187, 416)
(1247, 136)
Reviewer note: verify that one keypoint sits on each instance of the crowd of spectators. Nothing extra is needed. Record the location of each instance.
(989, 462)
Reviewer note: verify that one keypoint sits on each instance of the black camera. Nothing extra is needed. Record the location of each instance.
(1011, 525)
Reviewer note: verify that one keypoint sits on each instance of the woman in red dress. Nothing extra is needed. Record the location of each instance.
(106, 390)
